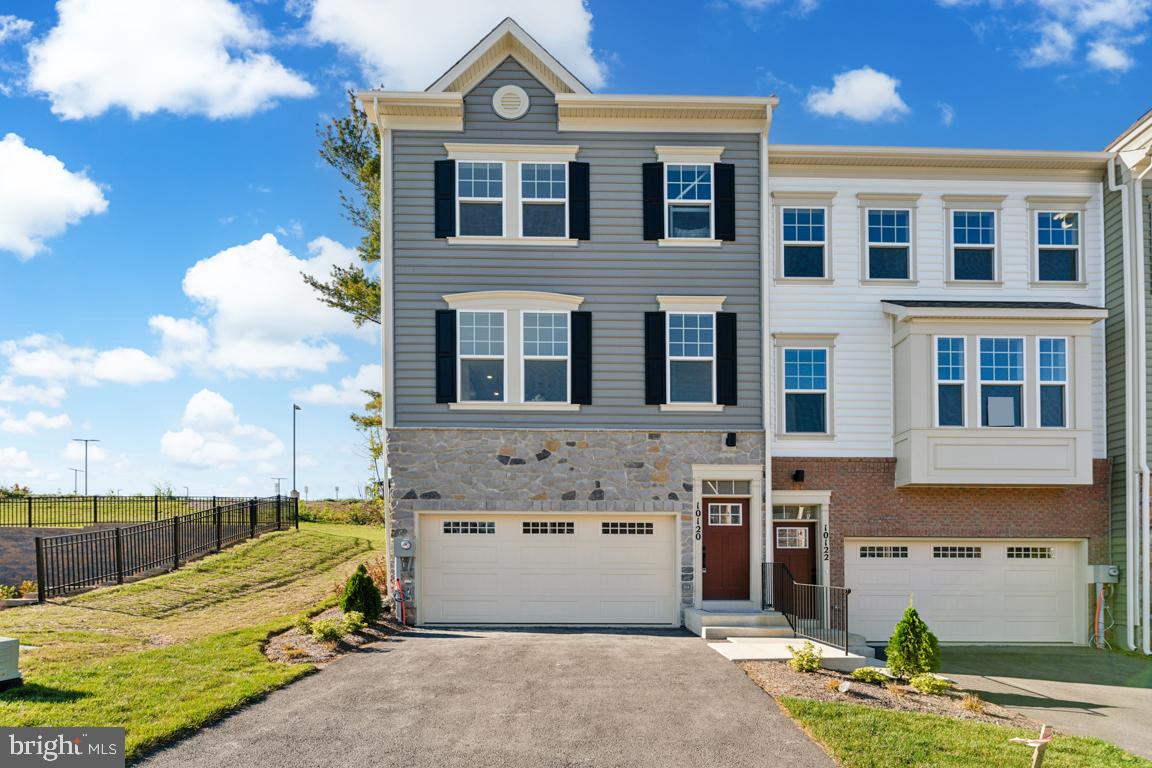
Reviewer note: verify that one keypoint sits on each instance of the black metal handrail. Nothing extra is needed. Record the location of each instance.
(816, 612)
(80, 511)
(77, 561)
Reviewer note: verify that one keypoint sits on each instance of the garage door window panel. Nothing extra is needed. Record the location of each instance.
(956, 552)
(547, 527)
(627, 529)
(469, 527)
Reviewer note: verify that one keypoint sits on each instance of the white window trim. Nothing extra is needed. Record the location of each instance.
(514, 304)
(688, 155)
(827, 392)
(502, 201)
(1023, 382)
(563, 203)
(900, 204)
(511, 155)
(460, 357)
(937, 381)
(1034, 230)
(669, 359)
(1066, 383)
(950, 212)
(711, 203)
(525, 357)
(827, 276)
(691, 304)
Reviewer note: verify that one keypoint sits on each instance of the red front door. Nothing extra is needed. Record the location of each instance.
(796, 548)
(725, 549)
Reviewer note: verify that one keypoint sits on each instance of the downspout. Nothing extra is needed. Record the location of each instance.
(387, 412)
(1130, 538)
(1142, 405)
(766, 230)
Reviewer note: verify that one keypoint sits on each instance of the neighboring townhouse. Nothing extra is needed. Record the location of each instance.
(1128, 248)
(633, 352)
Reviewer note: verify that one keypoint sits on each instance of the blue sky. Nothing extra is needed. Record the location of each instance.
(160, 189)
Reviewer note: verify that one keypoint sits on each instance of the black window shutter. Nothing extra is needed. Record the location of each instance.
(445, 199)
(445, 355)
(582, 358)
(653, 201)
(655, 357)
(726, 358)
(579, 213)
(725, 201)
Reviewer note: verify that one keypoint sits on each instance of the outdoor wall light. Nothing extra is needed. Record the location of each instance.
(798, 476)
(730, 439)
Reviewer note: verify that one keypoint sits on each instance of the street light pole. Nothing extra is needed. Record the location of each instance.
(85, 440)
(278, 479)
(294, 409)
(75, 474)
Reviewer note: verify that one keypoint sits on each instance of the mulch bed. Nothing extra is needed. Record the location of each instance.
(294, 647)
(778, 679)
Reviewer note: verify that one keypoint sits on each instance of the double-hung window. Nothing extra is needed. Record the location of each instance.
(1002, 382)
(689, 200)
(480, 199)
(543, 199)
(889, 243)
(545, 357)
(803, 235)
(950, 378)
(1052, 356)
(974, 245)
(691, 357)
(481, 357)
(805, 390)
(1057, 246)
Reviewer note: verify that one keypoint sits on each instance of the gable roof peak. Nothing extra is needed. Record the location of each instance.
(506, 39)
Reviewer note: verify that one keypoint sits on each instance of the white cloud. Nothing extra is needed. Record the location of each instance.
(189, 57)
(212, 435)
(14, 459)
(405, 45)
(39, 197)
(43, 357)
(862, 94)
(1107, 56)
(1056, 44)
(47, 394)
(74, 451)
(261, 318)
(13, 28)
(947, 113)
(349, 392)
(32, 422)
(801, 6)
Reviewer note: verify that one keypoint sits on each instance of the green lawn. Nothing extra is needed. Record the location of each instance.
(169, 654)
(373, 533)
(860, 736)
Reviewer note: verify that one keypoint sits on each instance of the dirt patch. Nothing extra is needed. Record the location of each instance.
(778, 679)
(296, 647)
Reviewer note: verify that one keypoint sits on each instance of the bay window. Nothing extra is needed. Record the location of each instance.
(1002, 382)
(1052, 354)
(951, 374)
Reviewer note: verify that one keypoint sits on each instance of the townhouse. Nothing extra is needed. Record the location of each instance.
(634, 353)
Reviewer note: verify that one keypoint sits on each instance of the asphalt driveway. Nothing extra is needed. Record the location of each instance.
(1081, 691)
(471, 698)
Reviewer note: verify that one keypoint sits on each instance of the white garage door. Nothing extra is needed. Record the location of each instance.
(980, 591)
(518, 569)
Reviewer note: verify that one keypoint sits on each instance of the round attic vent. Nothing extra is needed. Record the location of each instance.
(510, 102)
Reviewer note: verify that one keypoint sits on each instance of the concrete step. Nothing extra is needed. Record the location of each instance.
(711, 633)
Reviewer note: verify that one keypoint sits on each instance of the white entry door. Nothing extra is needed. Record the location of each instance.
(547, 569)
(979, 591)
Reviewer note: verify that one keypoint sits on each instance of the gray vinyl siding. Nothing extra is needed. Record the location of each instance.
(617, 272)
(1115, 377)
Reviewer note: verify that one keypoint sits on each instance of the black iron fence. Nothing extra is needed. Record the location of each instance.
(814, 611)
(69, 511)
(79, 561)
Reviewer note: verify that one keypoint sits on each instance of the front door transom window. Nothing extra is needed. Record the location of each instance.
(791, 537)
(725, 514)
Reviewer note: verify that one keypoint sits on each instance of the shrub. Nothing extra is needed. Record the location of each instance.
(972, 703)
(361, 594)
(913, 648)
(928, 683)
(871, 675)
(328, 630)
(353, 622)
(28, 588)
(806, 658)
(303, 623)
(8, 592)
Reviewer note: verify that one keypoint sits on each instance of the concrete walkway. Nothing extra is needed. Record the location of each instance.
(473, 698)
(1080, 691)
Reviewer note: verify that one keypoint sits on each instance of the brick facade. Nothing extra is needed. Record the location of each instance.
(865, 502)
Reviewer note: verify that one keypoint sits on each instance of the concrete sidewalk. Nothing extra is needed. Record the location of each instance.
(476, 698)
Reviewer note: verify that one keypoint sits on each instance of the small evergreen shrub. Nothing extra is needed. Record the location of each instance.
(913, 648)
(353, 622)
(362, 595)
(926, 682)
(806, 658)
(870, 675)
(328, 630)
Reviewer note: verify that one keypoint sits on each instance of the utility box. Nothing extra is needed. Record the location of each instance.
(1103, 574)
(9, 663)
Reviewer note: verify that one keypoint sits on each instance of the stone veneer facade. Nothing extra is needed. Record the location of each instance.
(557, 470)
